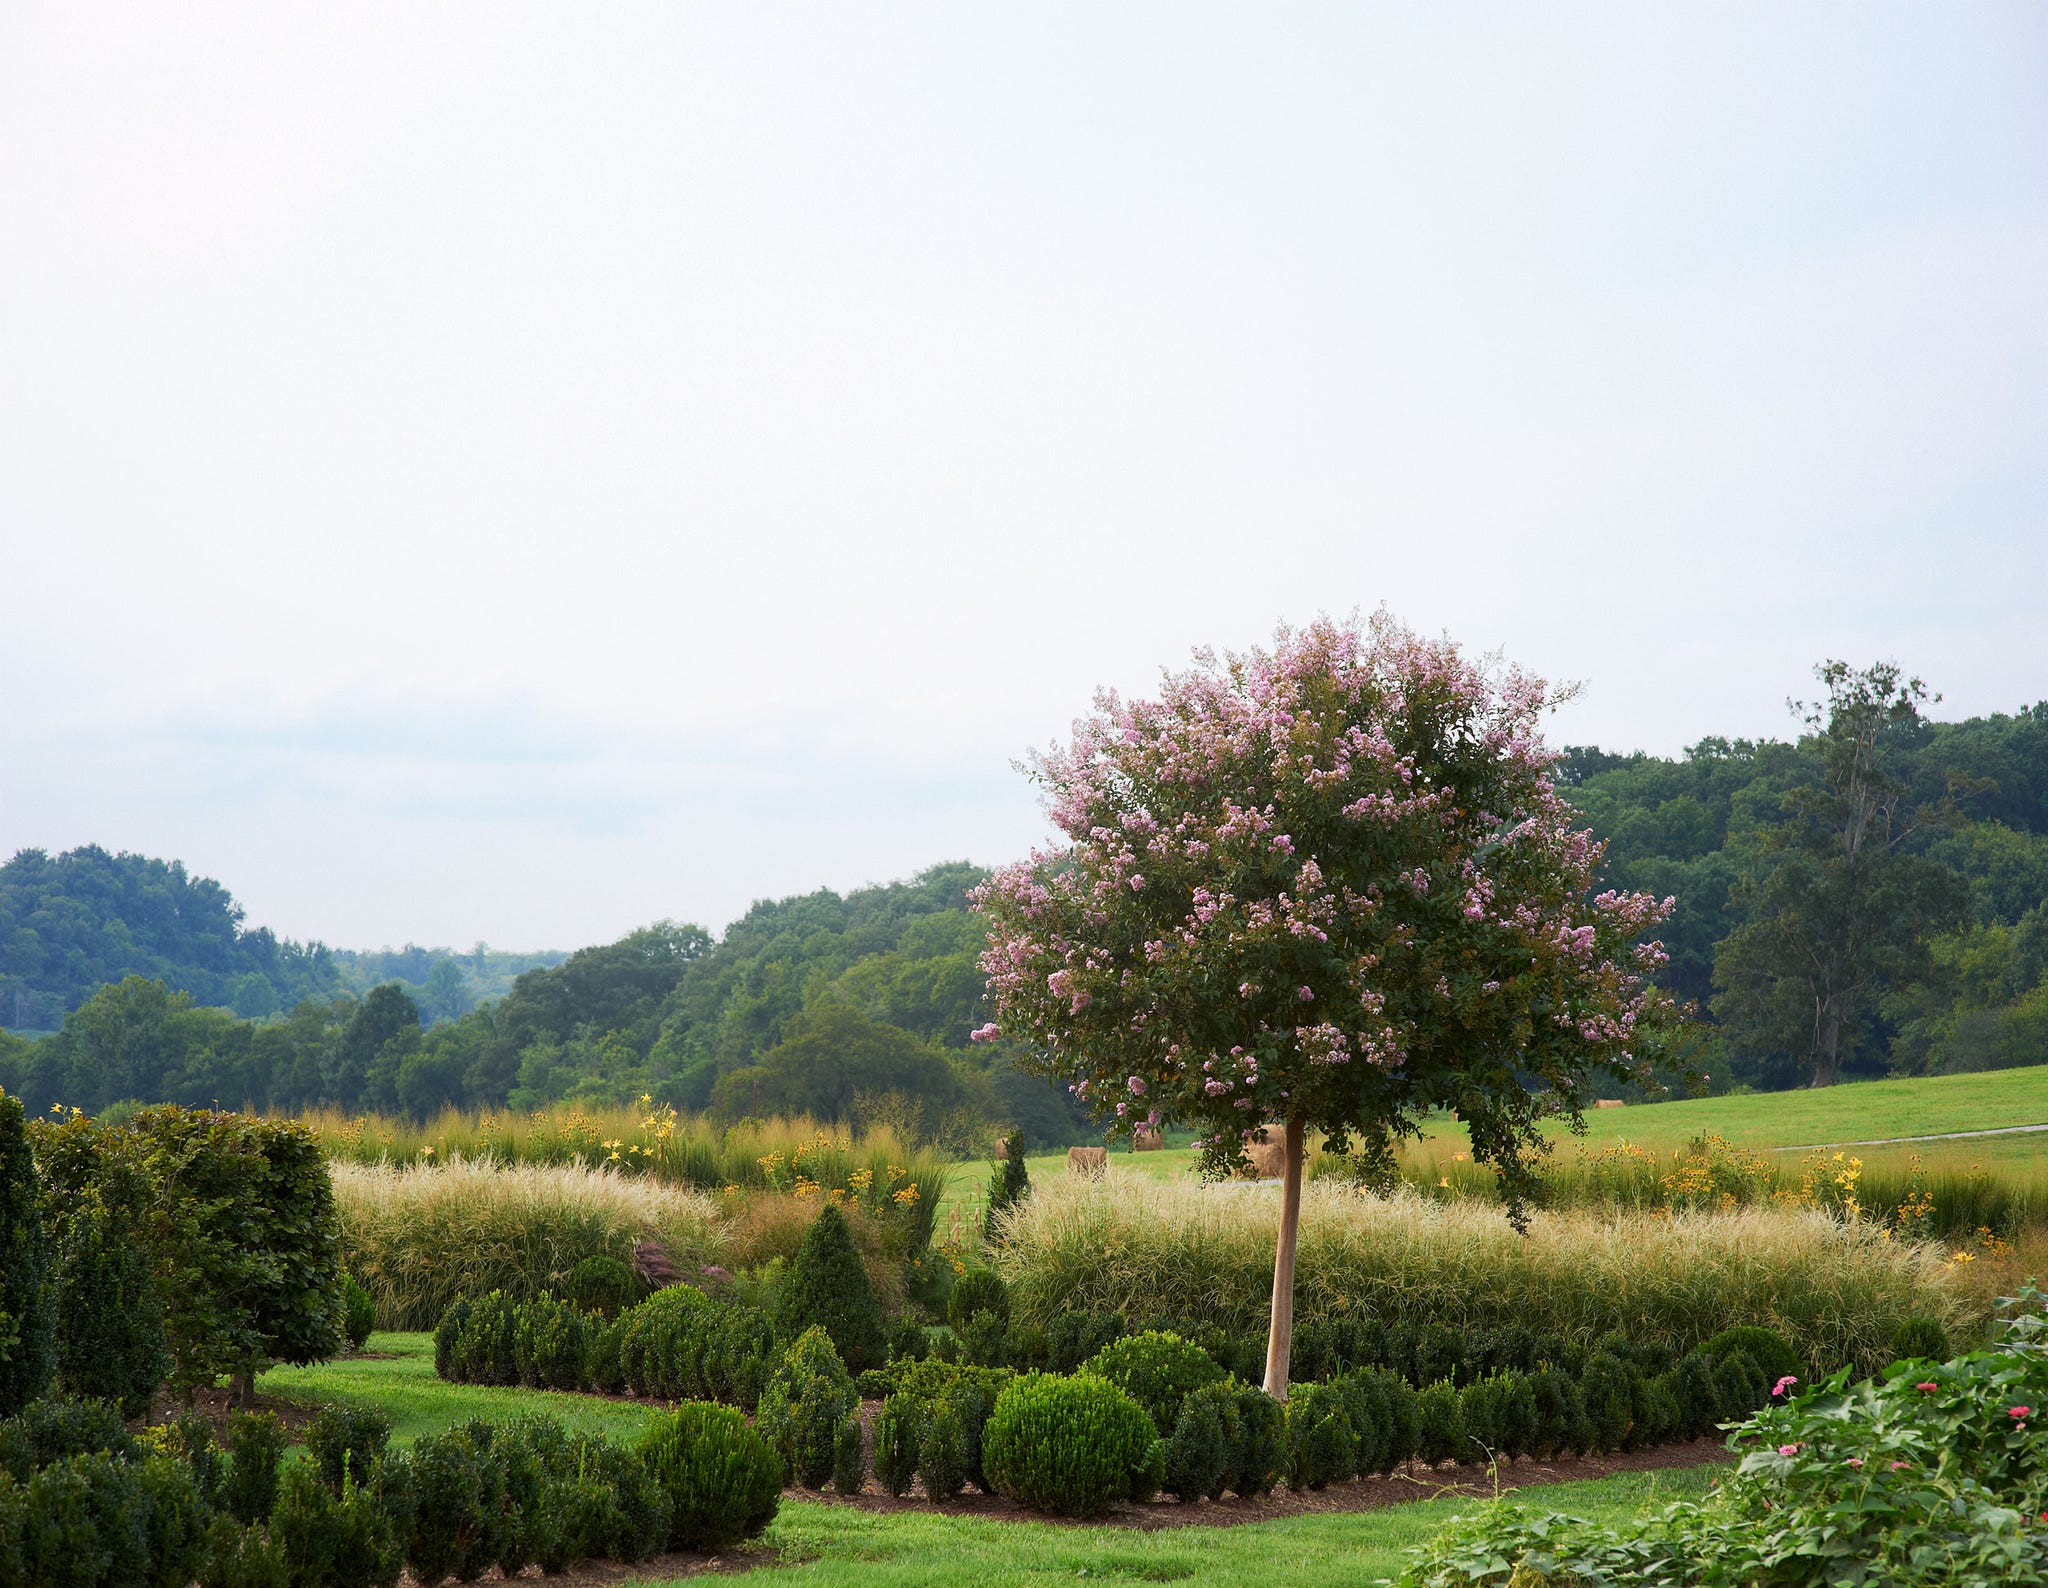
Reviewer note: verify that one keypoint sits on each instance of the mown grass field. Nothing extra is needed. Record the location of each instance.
(1859, 1111)
(818, 1541)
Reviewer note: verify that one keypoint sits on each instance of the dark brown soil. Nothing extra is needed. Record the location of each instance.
(212, 1404)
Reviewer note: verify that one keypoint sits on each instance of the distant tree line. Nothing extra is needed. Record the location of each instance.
(854, 1009)
(1865, 899)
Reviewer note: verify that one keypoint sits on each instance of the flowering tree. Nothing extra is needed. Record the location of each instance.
(1330, 886)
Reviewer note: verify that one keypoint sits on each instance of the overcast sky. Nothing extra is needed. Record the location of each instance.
(519, 472)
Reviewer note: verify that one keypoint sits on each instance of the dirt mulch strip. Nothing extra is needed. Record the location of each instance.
(1412, 1483)
(212, 1404)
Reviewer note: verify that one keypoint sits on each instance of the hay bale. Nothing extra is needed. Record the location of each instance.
(1268, 1157)
(1148, 1139)
(1002, 1149)
(1087, 1162)
(1609, 1102)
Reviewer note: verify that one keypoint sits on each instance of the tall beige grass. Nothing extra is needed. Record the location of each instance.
(1152, 1249)
(416, 1238)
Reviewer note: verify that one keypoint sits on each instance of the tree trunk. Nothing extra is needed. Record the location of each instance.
(1827, 1050)
(1280, 1339)
(242, 1390)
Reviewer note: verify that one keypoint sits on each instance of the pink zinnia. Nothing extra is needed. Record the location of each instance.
(1780, 1387)
(1788, 1450)
(1927, 1386)
(2018, 1412)
(1855, 1461)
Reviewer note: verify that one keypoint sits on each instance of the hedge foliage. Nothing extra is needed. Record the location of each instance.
(1075, 1446)
(25, 1313)
(722, 1479)
(828, 1287)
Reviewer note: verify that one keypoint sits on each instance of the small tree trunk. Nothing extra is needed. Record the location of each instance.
(242, 1390)
(1280, 1338)
(1828, 1048)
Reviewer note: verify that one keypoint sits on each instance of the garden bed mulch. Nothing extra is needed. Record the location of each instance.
(213, 1405)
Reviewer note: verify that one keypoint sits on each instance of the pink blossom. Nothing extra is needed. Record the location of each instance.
(1788, 1450)
(1927, 1387)
(1137, 1086)
(2018, 1412)
(1856, 1461)
(987, 1033)
(1306, 995)
(1784, 1384)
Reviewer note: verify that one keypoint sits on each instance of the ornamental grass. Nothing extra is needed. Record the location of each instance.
(417, 1238)
(1834, 1289)
(650, 1140)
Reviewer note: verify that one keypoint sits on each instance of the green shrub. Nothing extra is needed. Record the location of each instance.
(806, 1399)
(1260, 1455)
(1322, 1447)
(255, 1444)
(1197, 1457)
(907, 1341)
(459, 1515)
(724, 1481)
(680, 1344)
(1695, 1399)
(942, 1455)
(828, 1288)
(241, 1557)
(1025, 1346)
(346, 1442)
(448, 1335)
(1364, 1399)
(1009, 1182)
(189, 1437)
(1560, 1413)
(983, 1340)
(1739, 1385)
(1439, 1424)
(614, 1504)
(333, 1540)
(49, 1431)
(358, 1313)
(1157, 1371)
(25, 1302)
(1922, 1338)
(550, 1343)
(1073, 1446)
(978, 1290)
(1606, 1386)
(603, 1284)
(602, 1369)
(1766, 1348)
(486, 1344)
(110, 1340)
(81, 1521)
(175, 1516)
(1073, 1337)
(849, 1454)
(896, 1449)
(1482, 1408)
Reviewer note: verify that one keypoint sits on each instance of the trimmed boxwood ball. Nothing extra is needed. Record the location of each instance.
(1322, 1446)
(358, 1313)
(342, 1541)
(978, 1290)
(724, 1481)
(604, 1285)
(1073, 1337)
(801, 1409)
(1157, 1370)
(1920, 1339)
(828, 1287)
(1739, 1385)
(1765, 1346)
(1073, 1446)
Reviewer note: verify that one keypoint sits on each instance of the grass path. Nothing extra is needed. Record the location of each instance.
(814, 1542)
(822, 1543)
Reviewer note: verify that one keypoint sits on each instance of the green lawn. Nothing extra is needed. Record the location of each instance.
(814, 1541)
(401, 1380)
